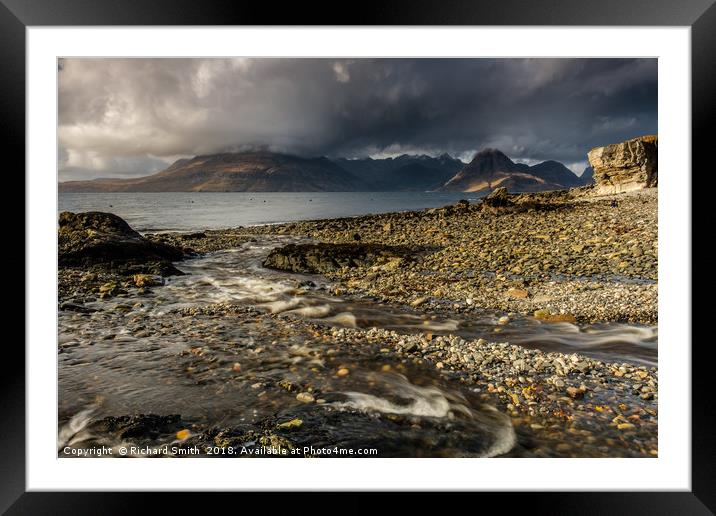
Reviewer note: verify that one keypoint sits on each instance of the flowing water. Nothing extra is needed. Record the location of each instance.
(132, 357)
(236, 276)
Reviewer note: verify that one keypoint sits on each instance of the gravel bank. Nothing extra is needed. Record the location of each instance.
(594, 258)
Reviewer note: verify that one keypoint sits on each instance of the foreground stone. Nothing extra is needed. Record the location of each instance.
(498, 197)
(626, 166)
(106, 240)
(323, 258)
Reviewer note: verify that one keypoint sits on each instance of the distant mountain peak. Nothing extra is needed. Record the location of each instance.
(493, 160)
(587, 177)
(489, 151)
(491, 168)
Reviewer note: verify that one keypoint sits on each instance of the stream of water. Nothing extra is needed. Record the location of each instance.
(129, 358)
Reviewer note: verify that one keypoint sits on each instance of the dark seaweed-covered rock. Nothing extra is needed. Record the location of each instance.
(142, 426)
(322, 258)
(104, 239)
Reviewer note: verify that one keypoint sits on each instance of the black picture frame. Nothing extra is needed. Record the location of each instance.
(17, 15)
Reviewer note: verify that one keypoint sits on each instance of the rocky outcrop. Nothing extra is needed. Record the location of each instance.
(322, 258)
(626, 166)
(497, 198)
(500, 201)
(106, 240)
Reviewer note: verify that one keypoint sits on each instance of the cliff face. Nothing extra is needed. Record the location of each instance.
(625, 166)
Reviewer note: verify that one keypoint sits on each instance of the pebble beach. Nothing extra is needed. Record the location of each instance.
(558, 258)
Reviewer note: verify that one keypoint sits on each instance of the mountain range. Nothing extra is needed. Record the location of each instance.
(235, 172)
(407, 173)
(264, 171)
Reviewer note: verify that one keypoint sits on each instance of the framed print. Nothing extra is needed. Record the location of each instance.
(427, 248)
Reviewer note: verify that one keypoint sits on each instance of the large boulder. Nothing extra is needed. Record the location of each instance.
(626, 166)
(106, 240)
(497, 198)
(322, 258)
(500, 201)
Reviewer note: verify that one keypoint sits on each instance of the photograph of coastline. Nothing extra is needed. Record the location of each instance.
(357, 257)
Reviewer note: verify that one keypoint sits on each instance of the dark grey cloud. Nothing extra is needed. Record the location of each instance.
(132, 116)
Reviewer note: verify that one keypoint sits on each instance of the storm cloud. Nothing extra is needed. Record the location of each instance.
(131, 117)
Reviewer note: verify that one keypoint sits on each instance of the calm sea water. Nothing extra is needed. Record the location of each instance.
(193, 211)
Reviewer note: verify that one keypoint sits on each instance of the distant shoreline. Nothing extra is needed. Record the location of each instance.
(187, 212)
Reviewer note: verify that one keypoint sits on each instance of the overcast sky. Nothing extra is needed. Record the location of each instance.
(132, 117)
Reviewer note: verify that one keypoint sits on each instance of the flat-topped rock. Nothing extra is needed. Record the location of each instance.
(625, 166)
(323, 257)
